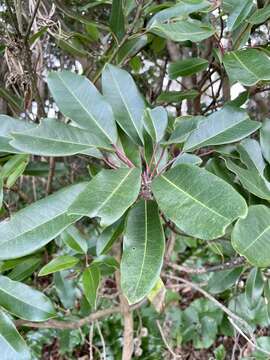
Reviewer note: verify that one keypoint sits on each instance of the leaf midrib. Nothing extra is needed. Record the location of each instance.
(83, 106)
(20, 301)
(114, 191)
(194, 199)
(257, 238)
(145, 246)
(212, 137)
(55, 140)
(126, 106)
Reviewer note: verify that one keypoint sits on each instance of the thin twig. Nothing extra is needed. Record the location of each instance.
(76, 324)
(227, 311)
(102, 341)
(175, 356)
(28, 31)
(234, 263)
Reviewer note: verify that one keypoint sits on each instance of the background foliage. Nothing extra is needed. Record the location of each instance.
(135, 198)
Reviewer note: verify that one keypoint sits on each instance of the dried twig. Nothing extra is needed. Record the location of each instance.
(234, 263)
(175, 356)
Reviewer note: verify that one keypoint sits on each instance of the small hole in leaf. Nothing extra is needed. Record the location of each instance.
(133, 248)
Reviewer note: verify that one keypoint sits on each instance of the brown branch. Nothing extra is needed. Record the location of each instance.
(51, 175)
(75, 324)
(234, 263)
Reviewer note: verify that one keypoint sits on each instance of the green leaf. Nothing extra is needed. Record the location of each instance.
(24, 269)
(184, 125)
(250, 236)
(260, 16)
(183, 30)
(109, 236)
(143, 250)
(177, 96)
(41, 168)
(91, 279)
(131, 48)
(7, 126)
(15, 101)
(127, 103)
(265, 139)
(60, 263)
(12, 164)
(54, 138)
(79, 100)
(254, 286)
(247, 66)
(198, 202)
(186, 158)
(65, 288)
(24, 302)
(12, 345)
(11, 180)
(252, 175)
(223, 280)
(108, 195)
(187, 67)
(36, 225)
(155, 122)
(182, 9)
(117, 20)
(75, 240)
(225, 126)
(240, 11)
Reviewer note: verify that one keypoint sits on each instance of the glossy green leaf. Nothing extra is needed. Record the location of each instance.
(108, 195)
(182, 8)
(117, 20)
(91, 279)
(24, 302)
(240, 11)
(252, 175)
(73, 238)
(13, 177)
(54, 138)
(254, 286)
(12, 345)
(143, 250)
(187, 67)
(131, 48)
(127, 103)
(60, 263)
(34, 226)
(250, 236)
(198, 202)
(25, 268)
(78, 99)
(12, 164)
(183, 30)
(7, 126)
(247, 66)
(177, 96)
(265, 139)
(260, 15)
(156, 121)
(225, 126)
(186, 158)
(184, 126)
(109, 236)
